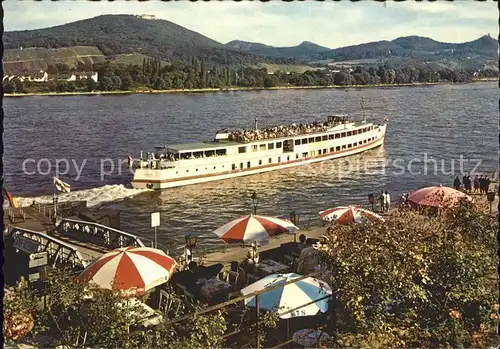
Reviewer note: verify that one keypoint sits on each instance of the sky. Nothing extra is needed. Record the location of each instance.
(330, 24)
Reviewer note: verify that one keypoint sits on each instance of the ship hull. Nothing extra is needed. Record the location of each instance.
(154, 179)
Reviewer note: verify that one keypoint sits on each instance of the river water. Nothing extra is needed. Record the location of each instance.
(432, 130)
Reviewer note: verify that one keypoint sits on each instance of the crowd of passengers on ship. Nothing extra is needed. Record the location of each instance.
(278, 131)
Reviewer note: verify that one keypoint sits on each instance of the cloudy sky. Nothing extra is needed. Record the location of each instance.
(331, 24)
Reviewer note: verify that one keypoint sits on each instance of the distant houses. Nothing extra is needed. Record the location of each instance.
(28, 75)
(43, 76)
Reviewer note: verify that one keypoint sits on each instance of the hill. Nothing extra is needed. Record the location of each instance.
(471, 54)
(127, 34)
(129, 38)
(305, 51)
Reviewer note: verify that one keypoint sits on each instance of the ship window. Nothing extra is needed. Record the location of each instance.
(262, 147)
(337, 149)
(304, 140)
(254, 148)
(279, 158)
(241, 166)
(198, 154)
(270, 160)
(278, 144)
(311, 140)
(270, 146)
(209, 153)
(355, 132)
(260, 162)
(297, 142)
(344, 147)
(248, 164)
(176, 172)
(342, 135)
(319, 152)
(349, 146)
(318, 139)
(288, 158)
(325, 151)
(304, 155)
(187, 170)
(337, 135)
(364, 142)
(214, 167)
(196, 170)
(220, 152)
(325, 138)
(222, 166)
(349, 133)
(296, 156)
(331, 136)
(242, 150)
(232, 167)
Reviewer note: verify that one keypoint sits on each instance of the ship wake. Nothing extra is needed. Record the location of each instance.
(94, 197)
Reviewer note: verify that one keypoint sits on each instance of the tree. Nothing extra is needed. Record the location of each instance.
(126, 83)
(159, 84)
(9, 87)
(415, 281)
(270, 81)
(77, 314)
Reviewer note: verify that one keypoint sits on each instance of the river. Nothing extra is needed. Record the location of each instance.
(431, 130)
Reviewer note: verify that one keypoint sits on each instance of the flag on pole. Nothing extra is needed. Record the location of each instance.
(62, 186)
(12, 200)
(130, 161)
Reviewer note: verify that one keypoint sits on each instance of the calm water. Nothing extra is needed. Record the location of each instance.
(437, 124)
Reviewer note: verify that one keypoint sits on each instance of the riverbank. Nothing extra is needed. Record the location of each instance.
(228, 89)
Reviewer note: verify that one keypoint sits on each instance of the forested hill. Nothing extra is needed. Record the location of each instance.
(126, 34)
(110, 36)
(306, 51)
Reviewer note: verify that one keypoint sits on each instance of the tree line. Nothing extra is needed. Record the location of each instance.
(154, 74)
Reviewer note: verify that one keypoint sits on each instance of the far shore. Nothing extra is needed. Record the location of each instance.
(224, 89)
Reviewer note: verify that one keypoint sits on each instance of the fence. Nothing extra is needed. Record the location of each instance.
(58, 251)
(237, 303)
(98, 234)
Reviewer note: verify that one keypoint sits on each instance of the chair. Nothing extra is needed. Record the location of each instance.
(289, 260)
(232, 277)
(251, 278)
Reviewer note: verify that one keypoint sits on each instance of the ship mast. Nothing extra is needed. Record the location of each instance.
(256, 124)
(363, 108)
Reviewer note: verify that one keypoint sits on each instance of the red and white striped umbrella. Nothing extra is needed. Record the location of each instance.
(349, 214)
(253, 228)
(131, 270)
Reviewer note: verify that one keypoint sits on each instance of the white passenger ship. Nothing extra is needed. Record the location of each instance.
(241, 153)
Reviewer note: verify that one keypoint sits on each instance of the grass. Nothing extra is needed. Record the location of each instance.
(286, 68)
(132, 59)
(40, 58)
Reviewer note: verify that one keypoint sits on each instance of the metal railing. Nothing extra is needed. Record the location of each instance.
(58, 252)
(257, 320)
(99, 234)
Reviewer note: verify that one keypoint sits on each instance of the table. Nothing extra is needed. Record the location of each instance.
(268, 267)
(309, 337)
(214, 288)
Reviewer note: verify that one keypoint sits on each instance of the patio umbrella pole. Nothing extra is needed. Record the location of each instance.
(257, 312)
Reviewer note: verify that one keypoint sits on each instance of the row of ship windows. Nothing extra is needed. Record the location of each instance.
(308, 140)
(304, 155)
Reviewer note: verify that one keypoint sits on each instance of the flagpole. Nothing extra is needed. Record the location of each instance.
(55, 201)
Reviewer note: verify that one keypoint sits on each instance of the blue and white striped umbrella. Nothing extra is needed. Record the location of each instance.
(291, 296)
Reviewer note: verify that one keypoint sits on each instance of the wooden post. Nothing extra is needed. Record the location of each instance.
(257, 312)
